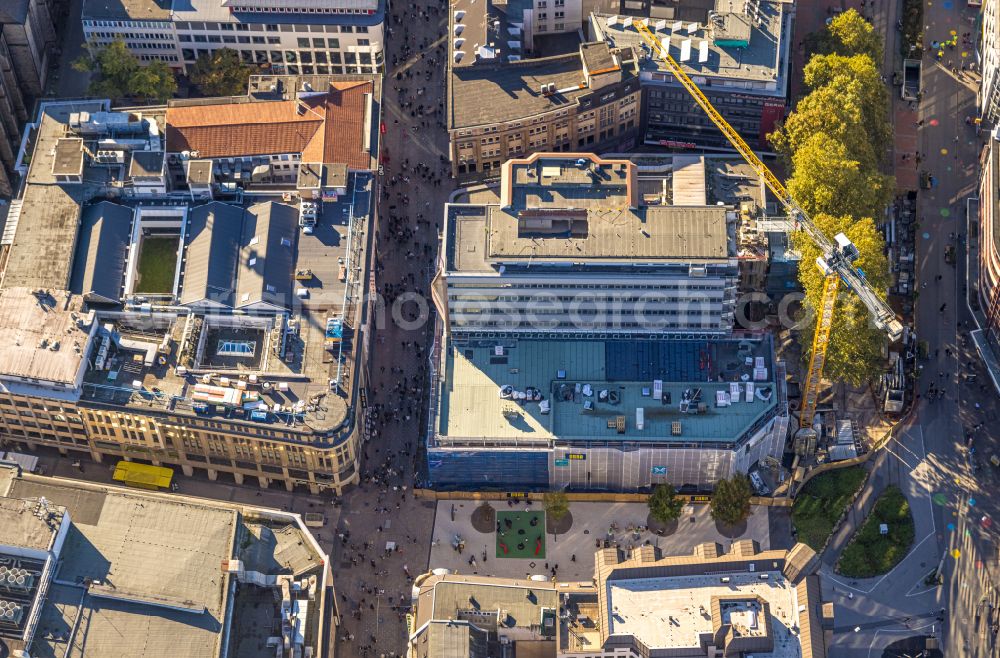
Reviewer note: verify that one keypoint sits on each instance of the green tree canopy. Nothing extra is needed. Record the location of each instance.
(828, 180)
(556, 504)
(119, 74)
(220, 73)
(848, 34)
(664, 506)
(731, 500)
(854, 353)
(860, 77)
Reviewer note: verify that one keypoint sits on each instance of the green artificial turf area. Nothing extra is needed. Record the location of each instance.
(521, 535)
(157, 263)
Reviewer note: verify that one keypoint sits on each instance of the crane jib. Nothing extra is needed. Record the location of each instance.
(883, 315)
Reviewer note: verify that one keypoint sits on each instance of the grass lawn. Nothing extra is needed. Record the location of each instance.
(157, 262)
(821, 502)
(521, 535)
(871, 553)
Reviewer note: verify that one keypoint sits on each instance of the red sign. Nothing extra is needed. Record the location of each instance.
(382, 128)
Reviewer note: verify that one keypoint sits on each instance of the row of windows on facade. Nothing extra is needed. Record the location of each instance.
(229, 27)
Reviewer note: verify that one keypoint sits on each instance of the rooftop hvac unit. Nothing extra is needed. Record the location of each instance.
(685, 50)
(458, 43)
(459, 15)
(458, 56)
(459, 28)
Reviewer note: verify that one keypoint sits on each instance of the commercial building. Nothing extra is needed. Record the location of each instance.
(575, 247)
(989, 88)
(744, 602)
(737, 53)
(586, 335)
(284, 36)
(987, 272)
(181, 316)
(476, 616)
(94, 571)
(501, 104)
(27, 41)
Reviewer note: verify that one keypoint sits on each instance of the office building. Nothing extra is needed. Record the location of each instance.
(98, 572)
(737, 53)
(501, 103)
(200, 304)
(711, 603)
(574, 247)
(283, 36)
(27, 41)
(477, 616)
(985, 275)
(989, 52)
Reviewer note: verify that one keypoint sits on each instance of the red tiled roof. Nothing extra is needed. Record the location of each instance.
(330, 131)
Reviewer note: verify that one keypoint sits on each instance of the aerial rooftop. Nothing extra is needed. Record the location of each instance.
(575, 208)
(589, 384)
(245, 11)
(139, 573)
(746, 601)
(742, 41)
(43, 336)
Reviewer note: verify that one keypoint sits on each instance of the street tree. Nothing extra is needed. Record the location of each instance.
(731, 500)
(664, 506)
(118, 74)
(859, 77)
(847, 34)
(827, 180)
(854, 353)
(220, 73)
(556, 505)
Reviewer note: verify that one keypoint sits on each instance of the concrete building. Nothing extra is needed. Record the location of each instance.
(477, 616)
(573, 247)
(27, 41)
(284, 36)
(96, 571)
(711, 603)
(586, 335)
(987, 284)
(738, 54)
(501, 104)
(182, 318)
(989, 44)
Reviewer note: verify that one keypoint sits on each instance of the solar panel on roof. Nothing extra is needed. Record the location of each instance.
(703, 52)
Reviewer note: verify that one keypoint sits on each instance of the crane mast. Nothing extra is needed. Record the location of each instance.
(838, 256)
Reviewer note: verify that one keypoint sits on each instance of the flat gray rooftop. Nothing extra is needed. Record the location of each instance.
(490, 93)
(24, 524)
(760, 61)
(39, 334)
(50, 211)
(641, 607)
(481, 237)
(137, 10)
(471, 407)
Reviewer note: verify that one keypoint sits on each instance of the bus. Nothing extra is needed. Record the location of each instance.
(144, 476)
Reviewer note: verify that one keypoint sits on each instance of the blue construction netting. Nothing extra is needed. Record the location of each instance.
(488, 469)
(671, 361)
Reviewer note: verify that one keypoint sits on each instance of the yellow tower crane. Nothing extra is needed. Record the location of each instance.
(836, 259)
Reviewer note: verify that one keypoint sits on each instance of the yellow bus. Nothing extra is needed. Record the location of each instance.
(143, 476)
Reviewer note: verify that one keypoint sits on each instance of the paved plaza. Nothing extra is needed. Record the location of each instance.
(592, 523)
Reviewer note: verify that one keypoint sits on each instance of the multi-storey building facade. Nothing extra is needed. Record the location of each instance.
(501, 105)
(217, 362)
(283, 36)
(989, 44)
(738, 54)
(27, 41)
(572, 248)
(987, 284)
(585, 337)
